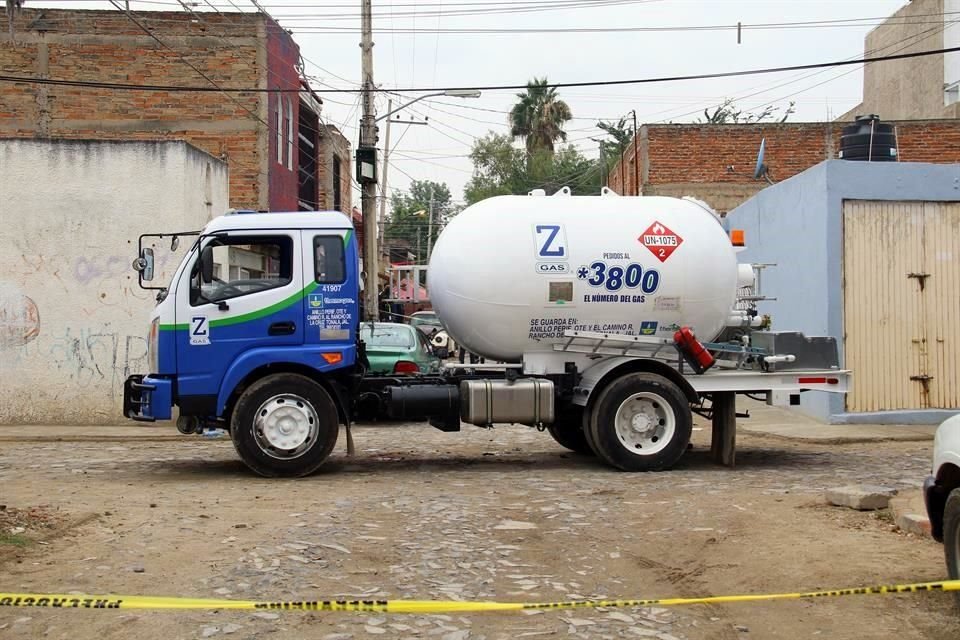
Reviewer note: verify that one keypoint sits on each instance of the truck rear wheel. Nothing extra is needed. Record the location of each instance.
(284, 425)
(641, 422)
(567, 429)
(951, 537)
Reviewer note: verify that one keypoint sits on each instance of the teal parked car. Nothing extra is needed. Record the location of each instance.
(426, 321)
(394, 348)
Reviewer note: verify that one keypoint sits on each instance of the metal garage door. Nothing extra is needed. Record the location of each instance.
(901, 269)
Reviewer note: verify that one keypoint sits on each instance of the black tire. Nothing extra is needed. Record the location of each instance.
(951, 537)
(310, 408)
(663, 401)
(567, 429)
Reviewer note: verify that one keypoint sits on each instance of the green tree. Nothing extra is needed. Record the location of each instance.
(499, 168)
(729, 113)
(611, 151)
(410, 212)
(622, 135)
(539, 116)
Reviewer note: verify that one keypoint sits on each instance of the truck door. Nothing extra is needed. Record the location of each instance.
(331, 307)
(244, 297)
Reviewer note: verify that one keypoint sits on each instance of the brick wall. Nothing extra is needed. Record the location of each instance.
(107, 46)
(334, 145)
(282, 57)
(716, 162)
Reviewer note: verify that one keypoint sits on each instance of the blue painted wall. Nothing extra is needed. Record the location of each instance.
(798, 224)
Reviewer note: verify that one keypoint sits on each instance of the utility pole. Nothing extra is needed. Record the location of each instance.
(636, 160)
(430, 227)
(367, 175)
(383, 176)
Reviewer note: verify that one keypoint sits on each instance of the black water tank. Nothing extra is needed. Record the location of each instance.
(869, 139)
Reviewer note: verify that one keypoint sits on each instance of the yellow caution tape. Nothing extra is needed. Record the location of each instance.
(68, 601)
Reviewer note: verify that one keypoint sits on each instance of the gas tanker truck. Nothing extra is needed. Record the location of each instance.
(605, 320)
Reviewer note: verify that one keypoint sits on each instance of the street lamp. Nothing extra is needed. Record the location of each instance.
(449, 93)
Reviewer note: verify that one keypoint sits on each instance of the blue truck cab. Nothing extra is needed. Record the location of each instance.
(257, 333)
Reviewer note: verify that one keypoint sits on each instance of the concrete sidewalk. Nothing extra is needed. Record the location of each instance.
(789, 424)
(146, 432)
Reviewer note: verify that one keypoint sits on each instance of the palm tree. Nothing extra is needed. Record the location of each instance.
(539, 117)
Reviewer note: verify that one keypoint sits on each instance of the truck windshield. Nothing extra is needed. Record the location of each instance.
(230, 267)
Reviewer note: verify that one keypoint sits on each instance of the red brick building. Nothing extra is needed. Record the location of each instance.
(715, 162)
(280, 154)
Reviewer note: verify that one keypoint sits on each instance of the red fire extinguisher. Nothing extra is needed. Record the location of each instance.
(692, 351)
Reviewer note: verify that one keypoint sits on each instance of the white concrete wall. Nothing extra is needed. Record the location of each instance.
(951, 61)
(73, 320)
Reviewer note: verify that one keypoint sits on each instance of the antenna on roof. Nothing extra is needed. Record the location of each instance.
(761, 170)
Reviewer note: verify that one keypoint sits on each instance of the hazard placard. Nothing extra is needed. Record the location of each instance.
(660, 240)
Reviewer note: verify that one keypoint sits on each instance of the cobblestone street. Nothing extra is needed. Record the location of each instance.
(504, 514)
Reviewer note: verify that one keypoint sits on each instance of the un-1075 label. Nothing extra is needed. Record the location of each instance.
(616, 277)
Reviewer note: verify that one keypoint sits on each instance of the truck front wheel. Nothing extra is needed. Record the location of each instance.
(284, 425)
(641, 422)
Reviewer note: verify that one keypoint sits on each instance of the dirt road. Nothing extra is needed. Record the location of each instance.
(503, 514)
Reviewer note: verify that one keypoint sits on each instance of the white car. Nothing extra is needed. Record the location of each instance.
(942, 493)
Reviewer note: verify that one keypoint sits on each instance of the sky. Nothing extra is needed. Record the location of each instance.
(423, 44)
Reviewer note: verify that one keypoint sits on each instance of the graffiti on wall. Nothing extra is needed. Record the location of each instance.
(87, 357)
(19, 317)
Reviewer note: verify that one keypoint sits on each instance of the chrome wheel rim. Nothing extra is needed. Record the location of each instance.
(645, 424)
(286, 426)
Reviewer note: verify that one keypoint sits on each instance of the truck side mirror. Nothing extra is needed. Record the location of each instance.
(441, 352)
(144, 264)
(206, 265)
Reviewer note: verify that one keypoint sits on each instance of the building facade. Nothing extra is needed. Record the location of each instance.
(925, 87)
(281, 155)
(865, 252)
(715, 162)
(73, 319)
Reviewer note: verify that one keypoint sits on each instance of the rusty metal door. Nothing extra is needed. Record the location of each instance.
(901, 304)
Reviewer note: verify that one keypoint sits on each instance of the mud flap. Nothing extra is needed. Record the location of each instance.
(351, 449)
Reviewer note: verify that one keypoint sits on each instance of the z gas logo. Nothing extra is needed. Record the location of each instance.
(648, 328)
(550, 242)
(551, 268)
(199, 331)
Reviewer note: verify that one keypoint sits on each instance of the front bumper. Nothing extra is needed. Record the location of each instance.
(147, 399)
(935, 499)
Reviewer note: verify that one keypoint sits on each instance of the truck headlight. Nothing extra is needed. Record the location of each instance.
(152, 346)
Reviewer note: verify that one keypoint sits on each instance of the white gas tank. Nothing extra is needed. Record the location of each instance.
(510, 274)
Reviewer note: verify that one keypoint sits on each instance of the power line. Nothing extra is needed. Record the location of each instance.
(511, 87)
(307, 29)
(470, 9)
(913, 39)
(493, 8)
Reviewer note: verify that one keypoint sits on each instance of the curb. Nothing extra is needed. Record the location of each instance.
(909, 516)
